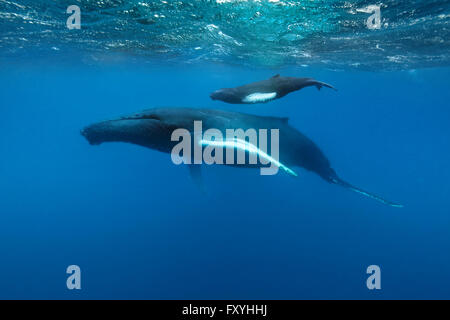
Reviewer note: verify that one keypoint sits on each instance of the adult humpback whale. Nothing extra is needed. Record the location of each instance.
(266, 90)
(153, 129)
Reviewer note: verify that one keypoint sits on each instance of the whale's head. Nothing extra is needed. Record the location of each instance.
(150, 128)
(226, 95)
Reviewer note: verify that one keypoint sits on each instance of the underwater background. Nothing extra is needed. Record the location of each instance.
(137, 225)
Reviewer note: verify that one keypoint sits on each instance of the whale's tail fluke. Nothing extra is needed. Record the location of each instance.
(320, 85)
(347, 185)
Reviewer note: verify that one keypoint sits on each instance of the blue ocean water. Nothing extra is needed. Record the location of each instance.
(136, 224)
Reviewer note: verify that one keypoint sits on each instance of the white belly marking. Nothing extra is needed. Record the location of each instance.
(259, 97)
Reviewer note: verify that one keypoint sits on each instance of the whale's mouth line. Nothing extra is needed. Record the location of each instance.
(87, 132)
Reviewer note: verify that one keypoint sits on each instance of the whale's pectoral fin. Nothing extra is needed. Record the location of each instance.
(195, 171)
(348, 186)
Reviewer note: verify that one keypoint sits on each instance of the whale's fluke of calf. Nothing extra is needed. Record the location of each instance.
(266, 90)
(153, 129)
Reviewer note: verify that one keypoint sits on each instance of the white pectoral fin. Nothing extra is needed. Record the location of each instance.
(244, 145)
(259, 97)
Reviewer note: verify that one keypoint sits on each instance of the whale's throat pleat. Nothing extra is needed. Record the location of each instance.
(259, 97)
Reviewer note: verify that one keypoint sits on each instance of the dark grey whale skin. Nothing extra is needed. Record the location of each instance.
(281, 85)
(153, 129)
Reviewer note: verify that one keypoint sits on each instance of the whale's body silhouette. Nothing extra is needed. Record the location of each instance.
(153, 129)
(267, 90)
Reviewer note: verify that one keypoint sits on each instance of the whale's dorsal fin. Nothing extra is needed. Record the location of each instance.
(275, 76)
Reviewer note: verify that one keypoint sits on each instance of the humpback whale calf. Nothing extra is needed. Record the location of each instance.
(153, 129)
(266, 90)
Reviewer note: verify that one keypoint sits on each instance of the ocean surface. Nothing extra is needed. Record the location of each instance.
(136, 224)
